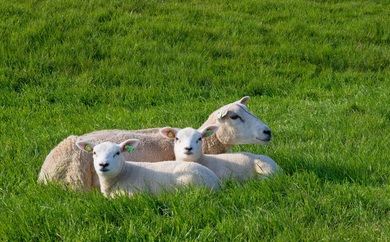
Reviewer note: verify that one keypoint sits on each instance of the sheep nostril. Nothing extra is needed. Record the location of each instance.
(267, 132)
(103, 164)
(188, 148)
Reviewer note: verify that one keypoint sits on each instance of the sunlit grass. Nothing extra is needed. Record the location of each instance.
(317, 73)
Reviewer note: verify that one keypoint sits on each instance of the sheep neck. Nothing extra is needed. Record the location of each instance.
(109, 184)
(213, 145)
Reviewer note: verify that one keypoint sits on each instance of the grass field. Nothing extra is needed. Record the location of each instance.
(318, 73)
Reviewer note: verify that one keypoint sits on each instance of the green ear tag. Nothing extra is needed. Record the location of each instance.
(209, 133)
(170, 134)
(88, 148)
(129, 148)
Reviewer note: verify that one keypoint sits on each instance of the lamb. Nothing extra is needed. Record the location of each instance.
(118, 176)
(236, 166)
(67, 164)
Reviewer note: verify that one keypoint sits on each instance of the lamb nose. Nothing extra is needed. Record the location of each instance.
(103, 164)
(188, 148)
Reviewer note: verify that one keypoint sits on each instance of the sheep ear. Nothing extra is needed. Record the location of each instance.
(85, 146)
(128, 145)
(223, 111)
(209, 131)
(168, 132)
(243, 100)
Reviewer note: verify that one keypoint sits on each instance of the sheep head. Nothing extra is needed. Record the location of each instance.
(107, 157)
(239, 126)
(188, 141)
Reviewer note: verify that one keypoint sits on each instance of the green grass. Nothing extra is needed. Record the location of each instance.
(318, 73)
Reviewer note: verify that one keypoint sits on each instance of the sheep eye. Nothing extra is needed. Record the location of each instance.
(117, 153)
(200, 139)
(176, 139)
(94, 153)
(234, 117)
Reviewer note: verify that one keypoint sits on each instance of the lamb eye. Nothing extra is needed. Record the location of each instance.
(117, 153)
(200, 139)
(234, 117)
(94, 153)
(176, 139)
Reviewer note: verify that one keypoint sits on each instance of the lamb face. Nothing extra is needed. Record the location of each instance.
(239, 126)
(188, 141)
(107, 159)
(188, 145)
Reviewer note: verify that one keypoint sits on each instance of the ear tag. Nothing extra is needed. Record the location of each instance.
(129, 148)
(208, 133)
(88, 148)
(170, 134)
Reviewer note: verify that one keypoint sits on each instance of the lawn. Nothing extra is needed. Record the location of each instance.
(317, 72)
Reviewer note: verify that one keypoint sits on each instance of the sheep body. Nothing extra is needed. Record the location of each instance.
(67, 163)
(237, 126)
(118, 176)
(237, 166)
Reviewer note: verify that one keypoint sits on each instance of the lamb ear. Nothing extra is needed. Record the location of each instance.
(128, 145)
(85, 146)
(243, 100)
(209, 131)
(168, 132)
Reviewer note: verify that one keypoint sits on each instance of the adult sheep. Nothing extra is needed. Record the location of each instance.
(236, 166)
(68, 164)
(118, 176)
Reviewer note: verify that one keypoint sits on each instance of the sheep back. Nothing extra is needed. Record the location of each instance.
(68, 164)
(152, 146)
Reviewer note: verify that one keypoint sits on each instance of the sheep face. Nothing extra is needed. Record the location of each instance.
(107, 157)
(239, 126)
(188, 145)
(188, 141)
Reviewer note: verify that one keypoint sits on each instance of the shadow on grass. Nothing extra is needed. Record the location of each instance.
(337, 171)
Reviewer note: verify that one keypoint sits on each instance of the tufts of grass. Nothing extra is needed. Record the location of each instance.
(317, 73)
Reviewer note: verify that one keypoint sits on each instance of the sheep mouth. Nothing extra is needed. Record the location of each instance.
(104, 169)
(264, 140)
(188, 153)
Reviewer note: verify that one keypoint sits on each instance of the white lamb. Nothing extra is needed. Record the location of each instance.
(118, 176)
(236, 166)
(68, 164)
